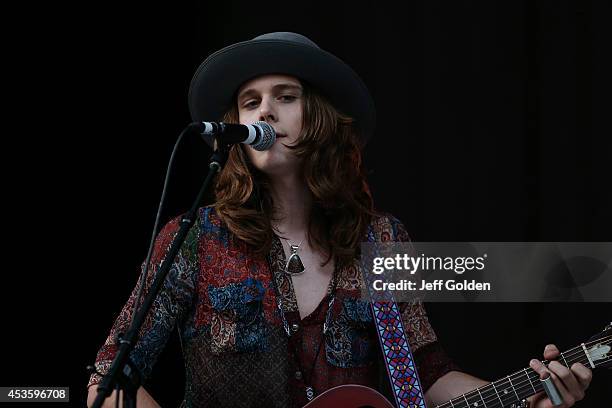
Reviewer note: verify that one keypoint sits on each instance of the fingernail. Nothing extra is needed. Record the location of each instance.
(533, 362)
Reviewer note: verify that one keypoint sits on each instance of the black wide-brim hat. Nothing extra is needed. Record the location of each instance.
(215, 83)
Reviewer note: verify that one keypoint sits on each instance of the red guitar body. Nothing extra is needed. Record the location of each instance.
(350, 396)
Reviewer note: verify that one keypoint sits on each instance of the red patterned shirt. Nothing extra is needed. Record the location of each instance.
(223, 299)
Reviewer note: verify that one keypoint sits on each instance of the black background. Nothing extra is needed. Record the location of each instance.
(493, 125)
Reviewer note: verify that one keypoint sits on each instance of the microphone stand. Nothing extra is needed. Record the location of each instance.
(122, 373)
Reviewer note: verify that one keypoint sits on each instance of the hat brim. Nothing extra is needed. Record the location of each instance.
(216, 81)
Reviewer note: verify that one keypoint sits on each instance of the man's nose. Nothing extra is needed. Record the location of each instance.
(266, 111)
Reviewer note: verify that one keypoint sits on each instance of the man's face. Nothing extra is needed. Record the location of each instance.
(277, 100)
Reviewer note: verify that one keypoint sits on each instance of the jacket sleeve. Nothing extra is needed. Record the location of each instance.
(173, 301)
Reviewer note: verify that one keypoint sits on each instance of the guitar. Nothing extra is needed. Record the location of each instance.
(505, 392)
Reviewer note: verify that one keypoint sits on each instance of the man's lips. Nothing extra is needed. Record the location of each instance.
(280, 135)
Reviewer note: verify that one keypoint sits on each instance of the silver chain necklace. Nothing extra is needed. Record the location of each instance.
(308, 388)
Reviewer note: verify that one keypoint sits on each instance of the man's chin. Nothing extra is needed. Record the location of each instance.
(278, 168)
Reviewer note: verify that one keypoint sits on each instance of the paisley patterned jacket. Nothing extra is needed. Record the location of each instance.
(222, 299)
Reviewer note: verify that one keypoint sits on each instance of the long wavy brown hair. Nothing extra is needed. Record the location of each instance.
(332, 167)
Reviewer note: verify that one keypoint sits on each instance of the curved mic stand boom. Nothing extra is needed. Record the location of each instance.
(122, 373)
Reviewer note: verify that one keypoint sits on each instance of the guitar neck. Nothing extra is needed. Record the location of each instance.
(510, 390)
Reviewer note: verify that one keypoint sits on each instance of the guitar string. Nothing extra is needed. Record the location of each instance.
(568, 355)
(491, 397)
(520, 386)
(524, 385)
(489, 394)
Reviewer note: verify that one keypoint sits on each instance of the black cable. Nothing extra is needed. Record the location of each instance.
(142, 278)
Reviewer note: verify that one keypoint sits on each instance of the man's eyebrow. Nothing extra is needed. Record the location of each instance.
(276, 88)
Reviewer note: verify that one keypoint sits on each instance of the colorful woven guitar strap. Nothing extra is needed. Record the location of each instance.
(400, 364)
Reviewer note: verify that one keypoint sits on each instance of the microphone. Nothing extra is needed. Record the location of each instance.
(260, 135)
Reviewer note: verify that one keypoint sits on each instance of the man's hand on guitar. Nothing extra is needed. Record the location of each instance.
(571, 383)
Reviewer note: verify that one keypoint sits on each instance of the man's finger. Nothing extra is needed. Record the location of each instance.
(544, 373)
(568, 398)
(551, 352)
(539, 368)
(582, 374)
(568, 378)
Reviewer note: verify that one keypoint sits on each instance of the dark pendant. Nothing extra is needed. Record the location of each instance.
(294, 264)
(309, 393)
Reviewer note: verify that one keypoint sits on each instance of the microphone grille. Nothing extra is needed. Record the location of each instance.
(268, 136)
